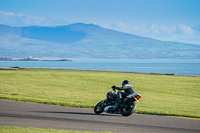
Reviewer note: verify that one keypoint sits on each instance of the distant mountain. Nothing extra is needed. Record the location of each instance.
(87, 41)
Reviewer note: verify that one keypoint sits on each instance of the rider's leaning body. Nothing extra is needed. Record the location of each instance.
(128, 89)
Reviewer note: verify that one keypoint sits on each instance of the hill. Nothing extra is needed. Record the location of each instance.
(81, 40)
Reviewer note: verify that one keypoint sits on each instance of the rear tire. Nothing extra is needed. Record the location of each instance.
(129, 109)
(99, 108)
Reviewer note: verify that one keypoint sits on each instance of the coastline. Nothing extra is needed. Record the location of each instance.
(25, 68)
(30, 59)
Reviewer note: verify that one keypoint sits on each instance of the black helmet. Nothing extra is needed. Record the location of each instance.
(125, 82)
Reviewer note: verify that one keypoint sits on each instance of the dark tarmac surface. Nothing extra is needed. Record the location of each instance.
(23, 114)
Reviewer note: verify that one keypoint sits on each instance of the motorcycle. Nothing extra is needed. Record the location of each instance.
(126, 107)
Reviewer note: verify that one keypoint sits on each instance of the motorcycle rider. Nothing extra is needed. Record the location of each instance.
(128, 89)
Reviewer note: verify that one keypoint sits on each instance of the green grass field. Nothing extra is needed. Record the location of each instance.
(6, 129)
(161, 94)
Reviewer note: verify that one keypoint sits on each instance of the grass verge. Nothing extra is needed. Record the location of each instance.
(6, 129)
(161, 94)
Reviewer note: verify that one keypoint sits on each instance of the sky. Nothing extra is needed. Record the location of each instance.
(167, 20)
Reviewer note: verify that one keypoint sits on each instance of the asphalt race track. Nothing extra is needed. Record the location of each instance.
(23, 114)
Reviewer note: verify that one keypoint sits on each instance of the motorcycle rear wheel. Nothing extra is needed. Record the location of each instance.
(129, 109)
(99, 108)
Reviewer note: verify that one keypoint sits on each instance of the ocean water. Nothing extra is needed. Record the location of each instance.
(178, 67)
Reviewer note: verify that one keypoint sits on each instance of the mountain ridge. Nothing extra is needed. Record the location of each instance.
(81, 40)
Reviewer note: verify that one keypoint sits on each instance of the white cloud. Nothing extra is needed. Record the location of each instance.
(158, 29)
(186, 29)
(117, 26)
(161, 29)
(32, 19)
(7, 13)
(178, 33)
(9, 18)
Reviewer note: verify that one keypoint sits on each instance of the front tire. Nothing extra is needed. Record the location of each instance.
(99, 108)
(129, 109)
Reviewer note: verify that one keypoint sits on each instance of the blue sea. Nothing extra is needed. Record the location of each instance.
(178, 67)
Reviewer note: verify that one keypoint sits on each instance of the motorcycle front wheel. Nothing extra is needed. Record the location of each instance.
(128, 109)
(99, 108)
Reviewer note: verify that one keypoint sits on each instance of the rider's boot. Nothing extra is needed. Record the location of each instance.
(116, 105)
(117, 102)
